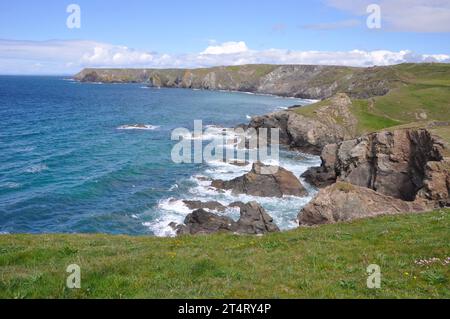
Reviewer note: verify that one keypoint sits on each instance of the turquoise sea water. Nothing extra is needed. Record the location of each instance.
(68, 166)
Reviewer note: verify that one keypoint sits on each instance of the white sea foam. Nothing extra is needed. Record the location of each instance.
(10, 185)
(36, 168)
(168, 211)
(145, 127)
(210, 133)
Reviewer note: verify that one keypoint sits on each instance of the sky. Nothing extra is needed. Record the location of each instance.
(35, 37)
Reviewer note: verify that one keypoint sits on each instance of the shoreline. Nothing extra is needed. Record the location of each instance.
(281, 96)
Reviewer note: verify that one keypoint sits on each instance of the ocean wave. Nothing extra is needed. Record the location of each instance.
(34, 169)
(145, 127)
(25, 149)
(210, 133)
(169, 210)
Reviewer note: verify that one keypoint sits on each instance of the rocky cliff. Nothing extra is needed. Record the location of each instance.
(332, 122)
(397, 163)
(303, 81)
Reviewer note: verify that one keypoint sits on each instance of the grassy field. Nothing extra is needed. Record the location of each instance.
(420, 94)
(325, 262)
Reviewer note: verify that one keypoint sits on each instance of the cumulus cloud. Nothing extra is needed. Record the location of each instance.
(404, 15)
(69, 57)
(226, 48)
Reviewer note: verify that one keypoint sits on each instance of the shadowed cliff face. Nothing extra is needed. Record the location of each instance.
(302, 81)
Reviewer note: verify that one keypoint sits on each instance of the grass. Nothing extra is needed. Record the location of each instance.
(419, 93)
(324, 262)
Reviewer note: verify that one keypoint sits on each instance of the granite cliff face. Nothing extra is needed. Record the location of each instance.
(303, 81)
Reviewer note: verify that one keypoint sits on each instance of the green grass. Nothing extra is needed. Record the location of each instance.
(327, 261)
(368, 120)
(419, 93)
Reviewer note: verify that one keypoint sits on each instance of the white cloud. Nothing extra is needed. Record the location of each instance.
(404, 15)
(226, 48)
(69, 57)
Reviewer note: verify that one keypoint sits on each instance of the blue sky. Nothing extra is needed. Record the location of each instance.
(175, 33)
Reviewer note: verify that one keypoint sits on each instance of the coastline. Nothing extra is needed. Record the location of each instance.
(281, 96)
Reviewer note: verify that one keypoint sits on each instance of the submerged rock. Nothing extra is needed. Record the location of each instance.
(264, 181)
(345, 202)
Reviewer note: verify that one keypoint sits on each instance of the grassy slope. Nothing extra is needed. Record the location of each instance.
(421, 89)
(328, 261)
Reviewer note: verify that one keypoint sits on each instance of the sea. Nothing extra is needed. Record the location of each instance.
(96, 158)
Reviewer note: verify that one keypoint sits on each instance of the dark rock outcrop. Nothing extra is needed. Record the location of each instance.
(253, 221)
(398, 164)
(345, 202)
(203, 222)
(264, 181)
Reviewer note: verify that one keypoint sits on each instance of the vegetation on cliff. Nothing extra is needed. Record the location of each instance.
(421, 95)
(325, 262)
